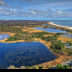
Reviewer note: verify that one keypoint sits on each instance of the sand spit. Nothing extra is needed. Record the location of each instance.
(9, 33)
(59, 26)
(3, 41)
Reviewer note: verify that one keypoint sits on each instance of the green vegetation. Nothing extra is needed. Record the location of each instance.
(70, 44)
(49, 38)
(26, 36)
(40, 67)
(15, 37)
(57, 47)
(69, 51)
(60, 66)
(23, 32)
(9, 29)
(57, 34)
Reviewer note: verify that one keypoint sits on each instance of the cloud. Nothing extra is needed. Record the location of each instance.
(12, 10)
(2, 3)
(35, 13)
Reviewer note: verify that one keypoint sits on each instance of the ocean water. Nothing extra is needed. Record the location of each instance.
(24, 54)
(63, 22)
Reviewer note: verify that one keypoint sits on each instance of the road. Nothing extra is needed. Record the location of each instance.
(65, 63)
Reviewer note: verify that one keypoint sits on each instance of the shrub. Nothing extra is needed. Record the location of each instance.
(67, 66)
(29, 67)
(40, 67)
(59, 66)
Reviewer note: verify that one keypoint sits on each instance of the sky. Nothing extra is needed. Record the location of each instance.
(35, 9)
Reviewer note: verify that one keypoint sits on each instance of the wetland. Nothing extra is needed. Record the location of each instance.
(32, 44)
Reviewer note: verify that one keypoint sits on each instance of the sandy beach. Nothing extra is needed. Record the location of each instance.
(60, 26)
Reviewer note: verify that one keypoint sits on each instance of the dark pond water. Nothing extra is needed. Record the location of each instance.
(3, 36)
(50, 30)
(24, 54)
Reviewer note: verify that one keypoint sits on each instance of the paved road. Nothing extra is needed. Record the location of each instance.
(65, 63)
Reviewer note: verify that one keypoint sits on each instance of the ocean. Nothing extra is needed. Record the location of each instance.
(62, 22)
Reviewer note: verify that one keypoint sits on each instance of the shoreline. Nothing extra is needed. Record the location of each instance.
(60, 26)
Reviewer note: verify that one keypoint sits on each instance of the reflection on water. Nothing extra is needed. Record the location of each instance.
(3, 36)
(50, 30)
(24, 54)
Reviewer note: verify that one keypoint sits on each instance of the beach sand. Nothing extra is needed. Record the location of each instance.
(60, 26)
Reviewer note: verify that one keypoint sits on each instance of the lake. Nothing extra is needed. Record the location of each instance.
(4, 36)
(50, 30)
(24, 54)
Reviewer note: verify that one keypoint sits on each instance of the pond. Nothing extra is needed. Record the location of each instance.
(50, 30)
(4, 36)
(67, 35)
(24, 54)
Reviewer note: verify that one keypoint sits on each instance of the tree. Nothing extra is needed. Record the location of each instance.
(59, 66)
(67, 66)
(40, 67)
(70, 43)
(67, 41)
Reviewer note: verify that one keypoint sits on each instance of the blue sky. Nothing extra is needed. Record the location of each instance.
(36, 9)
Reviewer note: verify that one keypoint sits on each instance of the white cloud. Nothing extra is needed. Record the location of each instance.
(33, 12)
(13, 10)
(6, 13)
